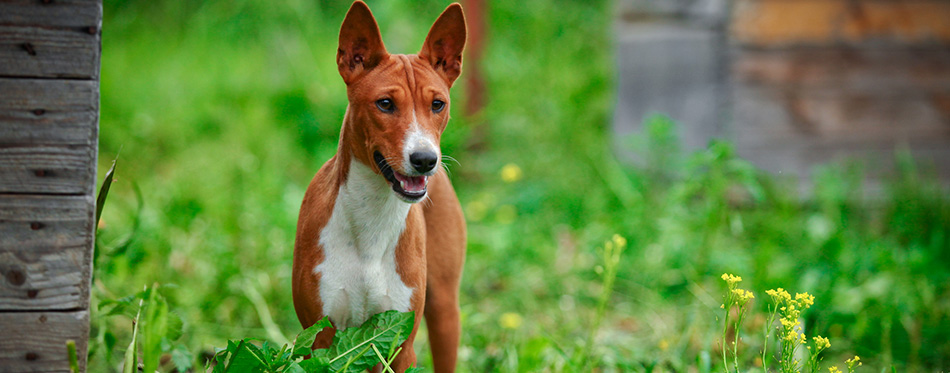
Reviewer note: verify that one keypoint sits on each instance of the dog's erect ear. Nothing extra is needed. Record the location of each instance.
(361, 48)
(443, 45)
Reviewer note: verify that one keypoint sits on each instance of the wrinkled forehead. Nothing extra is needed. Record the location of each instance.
(408, 72)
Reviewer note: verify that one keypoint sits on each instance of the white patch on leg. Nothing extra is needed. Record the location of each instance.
(358, 273)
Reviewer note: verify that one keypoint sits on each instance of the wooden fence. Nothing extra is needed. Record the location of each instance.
(793, 84)
(49, 120)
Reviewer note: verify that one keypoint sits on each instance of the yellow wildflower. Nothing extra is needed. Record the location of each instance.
(805, 299)
(834, 369)
(511, 173)
(852, 362)
(779, 295)
(619, 240)
(791, 336)
(821, 343)
(742, 295)
(731, 279)
(510, 320)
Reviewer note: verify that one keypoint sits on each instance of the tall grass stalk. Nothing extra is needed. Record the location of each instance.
(611, 259)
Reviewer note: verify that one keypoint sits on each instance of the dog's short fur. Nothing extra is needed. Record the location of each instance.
(363, 243)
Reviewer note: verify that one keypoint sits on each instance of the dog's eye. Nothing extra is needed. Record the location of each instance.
(386, 105)
(437, 106)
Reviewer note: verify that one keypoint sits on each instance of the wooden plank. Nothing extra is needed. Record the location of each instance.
(56, 13)
(67, 169)
(48, 136)
(45, 253)
(36, 111)
(50, 39)
(830, 22)
(36, 341)
(881, 69)
(37, 52)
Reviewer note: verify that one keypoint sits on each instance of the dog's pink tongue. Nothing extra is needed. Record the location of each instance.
(411, 184)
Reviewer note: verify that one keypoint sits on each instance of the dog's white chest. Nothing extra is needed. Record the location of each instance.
(358, 275)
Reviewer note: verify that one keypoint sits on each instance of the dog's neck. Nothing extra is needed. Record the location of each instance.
(374, 216)
(359, 276)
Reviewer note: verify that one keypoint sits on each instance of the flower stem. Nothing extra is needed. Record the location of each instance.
(725, 328)
(735, 343)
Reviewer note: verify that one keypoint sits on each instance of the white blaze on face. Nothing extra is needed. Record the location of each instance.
(417, 140)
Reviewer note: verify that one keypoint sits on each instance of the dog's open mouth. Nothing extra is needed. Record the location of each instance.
(409, 188)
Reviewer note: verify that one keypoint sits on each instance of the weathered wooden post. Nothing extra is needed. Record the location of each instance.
(49, 120)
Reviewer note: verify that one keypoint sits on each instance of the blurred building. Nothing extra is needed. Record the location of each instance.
(792, 83)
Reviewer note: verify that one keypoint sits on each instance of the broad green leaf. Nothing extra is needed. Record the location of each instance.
(304, 340)
(247, 358)
(294, 367)
(415, 370)
(268, 351)
(350, 346)
(221, 358)
(182, 358)
(175, 325)
(316, 364)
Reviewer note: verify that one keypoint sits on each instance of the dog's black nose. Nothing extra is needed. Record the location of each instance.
(423, 161)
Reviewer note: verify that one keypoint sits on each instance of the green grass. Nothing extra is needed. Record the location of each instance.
(220, 113)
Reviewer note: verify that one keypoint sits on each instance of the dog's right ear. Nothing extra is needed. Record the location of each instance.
(361, 47)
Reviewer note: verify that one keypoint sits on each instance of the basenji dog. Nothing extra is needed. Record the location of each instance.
(365, 244)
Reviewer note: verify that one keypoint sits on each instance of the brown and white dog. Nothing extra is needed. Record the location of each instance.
(364, 244)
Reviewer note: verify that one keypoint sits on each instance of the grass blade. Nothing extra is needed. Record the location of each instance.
(382, 359)
(104, 190)
(73, 359)
(130, 364)
(154, 329)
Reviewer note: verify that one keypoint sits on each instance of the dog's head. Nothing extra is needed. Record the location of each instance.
(399, 104)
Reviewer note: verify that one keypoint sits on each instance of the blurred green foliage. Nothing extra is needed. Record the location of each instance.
(224, 110)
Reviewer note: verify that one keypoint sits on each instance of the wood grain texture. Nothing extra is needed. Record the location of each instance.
(48, 112)
(45, 253)
(48, 151)
(47, 169)
(36, 341)
(48, 136)
(61, 13)
(36, 52)
(58, 39)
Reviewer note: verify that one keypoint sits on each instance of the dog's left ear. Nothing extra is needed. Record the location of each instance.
(443, 45)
